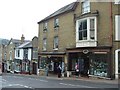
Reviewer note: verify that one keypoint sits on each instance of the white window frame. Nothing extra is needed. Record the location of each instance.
(44, 44)
(88, 29)
(56, 22)
(117, 28)
(45, 26)
(85, 6)
(55, 46)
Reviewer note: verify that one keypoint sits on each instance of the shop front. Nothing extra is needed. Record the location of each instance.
(52, 60)
(95, 62)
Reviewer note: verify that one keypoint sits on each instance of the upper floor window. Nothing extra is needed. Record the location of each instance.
(25, 53)
(86, 29)
(18, 53)
(85, 6)
(117, 1)
(10, 55)
(56, 22)
(117, 28)
(55, 46)
(45, 26)
(44, 44)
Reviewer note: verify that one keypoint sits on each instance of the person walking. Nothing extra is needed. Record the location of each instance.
(47, 69)
(59, 71)
(77, 70)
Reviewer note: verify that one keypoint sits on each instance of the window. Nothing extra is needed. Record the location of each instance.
(55, 42)
(10, 55)
(85, 6)
(44, 43)
(117, 28)
(56, 23)
(18, 53)
(117, 1)
(25, 53)
(86, 29)
(92, 29)
(45, 26)
(83, 30)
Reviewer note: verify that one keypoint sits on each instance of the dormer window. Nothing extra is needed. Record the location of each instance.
(85, 6)
(56, 23)
(45, 26)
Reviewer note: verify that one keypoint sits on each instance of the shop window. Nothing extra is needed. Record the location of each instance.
(43, 62)
(99, 66)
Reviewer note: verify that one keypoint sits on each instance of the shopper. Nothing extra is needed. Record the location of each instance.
(59, 71)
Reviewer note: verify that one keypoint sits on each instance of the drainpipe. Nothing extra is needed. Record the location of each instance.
(111, 25)
(111, 39)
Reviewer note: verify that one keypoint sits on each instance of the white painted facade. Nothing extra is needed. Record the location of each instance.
(21, 54)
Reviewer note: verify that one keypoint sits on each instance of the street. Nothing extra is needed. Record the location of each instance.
(33, 82)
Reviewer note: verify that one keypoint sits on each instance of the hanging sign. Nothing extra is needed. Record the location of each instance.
(85, 51)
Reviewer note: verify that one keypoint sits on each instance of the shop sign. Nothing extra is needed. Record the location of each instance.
(85, 51)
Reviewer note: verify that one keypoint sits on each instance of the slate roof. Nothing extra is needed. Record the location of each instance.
(67, 8)
(25, 45)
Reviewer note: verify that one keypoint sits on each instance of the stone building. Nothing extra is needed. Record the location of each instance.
(86, 33)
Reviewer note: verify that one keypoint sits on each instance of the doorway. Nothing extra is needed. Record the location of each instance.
(84, 65)
(34, 70)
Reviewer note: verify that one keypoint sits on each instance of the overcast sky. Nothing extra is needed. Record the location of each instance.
(19, 17)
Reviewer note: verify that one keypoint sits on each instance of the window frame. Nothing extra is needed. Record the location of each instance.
(85, 8)
(117, 29)
(56, 22)
(45, 26)
(55, 41)
(44, 44)
(88, 29)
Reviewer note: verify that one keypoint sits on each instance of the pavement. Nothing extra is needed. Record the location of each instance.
(90, 79)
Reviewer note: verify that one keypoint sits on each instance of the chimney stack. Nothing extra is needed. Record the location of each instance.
(22, 38)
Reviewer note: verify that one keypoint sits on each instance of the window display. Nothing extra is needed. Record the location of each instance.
(99, 65)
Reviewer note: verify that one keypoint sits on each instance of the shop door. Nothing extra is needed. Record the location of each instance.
(34, 68)
(84, 66)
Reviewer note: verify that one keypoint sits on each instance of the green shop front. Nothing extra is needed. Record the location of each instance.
(52, 59)
(92, 61)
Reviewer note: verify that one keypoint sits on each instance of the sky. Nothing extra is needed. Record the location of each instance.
(19, 17)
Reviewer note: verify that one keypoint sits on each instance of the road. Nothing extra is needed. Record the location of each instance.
(33, 82)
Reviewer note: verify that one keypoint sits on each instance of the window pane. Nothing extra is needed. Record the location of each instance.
(85, 6)
(92, 34)
(85, 24)
(80, 26)
(55, 42)
(92, 24)
(85, 35)
(80, 35)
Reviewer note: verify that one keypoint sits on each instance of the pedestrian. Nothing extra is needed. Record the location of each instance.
(59, 71)
(77, 70)
(47, 69)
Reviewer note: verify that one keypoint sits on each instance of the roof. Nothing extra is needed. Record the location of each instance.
(62, 10)
(17, 42)
(25, 45)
